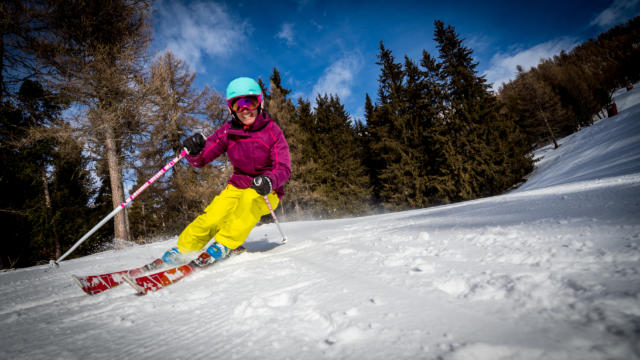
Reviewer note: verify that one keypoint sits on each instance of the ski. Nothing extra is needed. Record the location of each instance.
(95, 284)
(154, 282)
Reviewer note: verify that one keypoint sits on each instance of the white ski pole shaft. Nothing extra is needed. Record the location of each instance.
(273, 214)
(122, 206)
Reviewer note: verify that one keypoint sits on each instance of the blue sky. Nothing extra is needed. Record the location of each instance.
(331, 46)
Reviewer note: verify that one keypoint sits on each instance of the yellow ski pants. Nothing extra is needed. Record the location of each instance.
(230, 217)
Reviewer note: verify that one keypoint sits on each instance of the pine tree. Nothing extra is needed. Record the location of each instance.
(97, 52)
(535, 106)
(578, 84)
(401, 131)
(372, 161)
(174, 110)
(46, 191)
(340, 179)
(403, 178)
(20, 170)
(383, 129)
(435, 140)
(301, 190)
(22, 24)
(283, 112)
(71, 194)
(476, 155)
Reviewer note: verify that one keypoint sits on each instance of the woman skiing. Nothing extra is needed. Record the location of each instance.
(259, 153)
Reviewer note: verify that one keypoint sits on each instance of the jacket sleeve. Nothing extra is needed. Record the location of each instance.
(280, 157)
(215, 146)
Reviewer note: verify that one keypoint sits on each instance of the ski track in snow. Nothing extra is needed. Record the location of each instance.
(548, 271)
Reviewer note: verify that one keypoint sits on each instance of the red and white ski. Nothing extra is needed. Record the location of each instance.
(154, 282)
(95, 284)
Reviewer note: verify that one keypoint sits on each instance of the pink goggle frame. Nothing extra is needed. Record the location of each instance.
(249, 102)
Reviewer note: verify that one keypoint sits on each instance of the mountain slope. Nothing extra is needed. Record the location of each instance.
(549, 271)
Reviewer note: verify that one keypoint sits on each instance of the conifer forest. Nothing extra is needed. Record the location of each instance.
(87, 113)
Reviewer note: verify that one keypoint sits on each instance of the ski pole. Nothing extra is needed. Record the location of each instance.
(122, 206)
(273, 214)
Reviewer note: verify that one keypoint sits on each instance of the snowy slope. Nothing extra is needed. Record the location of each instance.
(550, 271)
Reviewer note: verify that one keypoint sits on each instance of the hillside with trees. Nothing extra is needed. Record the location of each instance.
(570, 90)
(86, 113)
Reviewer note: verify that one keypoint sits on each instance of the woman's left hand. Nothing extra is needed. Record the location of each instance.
(262, 185)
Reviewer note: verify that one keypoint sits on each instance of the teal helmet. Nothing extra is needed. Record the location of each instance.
(243, 86)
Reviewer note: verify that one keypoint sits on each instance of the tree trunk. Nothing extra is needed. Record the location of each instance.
(283, 216)
(551, 135)
(47, 202)
(117, 190)
(2, 69)
(45, 187)
(298, 209)
(144, 222)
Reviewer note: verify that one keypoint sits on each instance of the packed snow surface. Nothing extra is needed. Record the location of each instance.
(548, 271)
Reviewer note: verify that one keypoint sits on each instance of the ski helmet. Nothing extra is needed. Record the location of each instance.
(243, 86)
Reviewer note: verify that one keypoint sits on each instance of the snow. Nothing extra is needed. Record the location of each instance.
(548, 271)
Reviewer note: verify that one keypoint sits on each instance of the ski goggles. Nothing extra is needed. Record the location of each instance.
(250, 103)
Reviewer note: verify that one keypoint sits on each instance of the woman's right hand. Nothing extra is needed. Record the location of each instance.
(194, 144)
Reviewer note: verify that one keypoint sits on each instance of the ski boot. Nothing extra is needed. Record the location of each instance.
(172, 256)
(218, 251)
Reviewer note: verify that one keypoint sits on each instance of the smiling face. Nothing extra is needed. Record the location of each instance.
(247, 117)
(246, 108)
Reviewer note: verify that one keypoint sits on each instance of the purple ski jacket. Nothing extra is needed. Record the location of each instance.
(260, 149)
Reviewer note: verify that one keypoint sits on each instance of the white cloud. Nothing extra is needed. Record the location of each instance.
(303, 3)
(338, 78)
(478, 43)
(286, 33)
(196, 29)
(503, 67)
(294, 96)
(619, 11)
(317, 25)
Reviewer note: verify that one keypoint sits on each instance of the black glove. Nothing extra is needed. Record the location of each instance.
(262, 185)
(194, 144)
